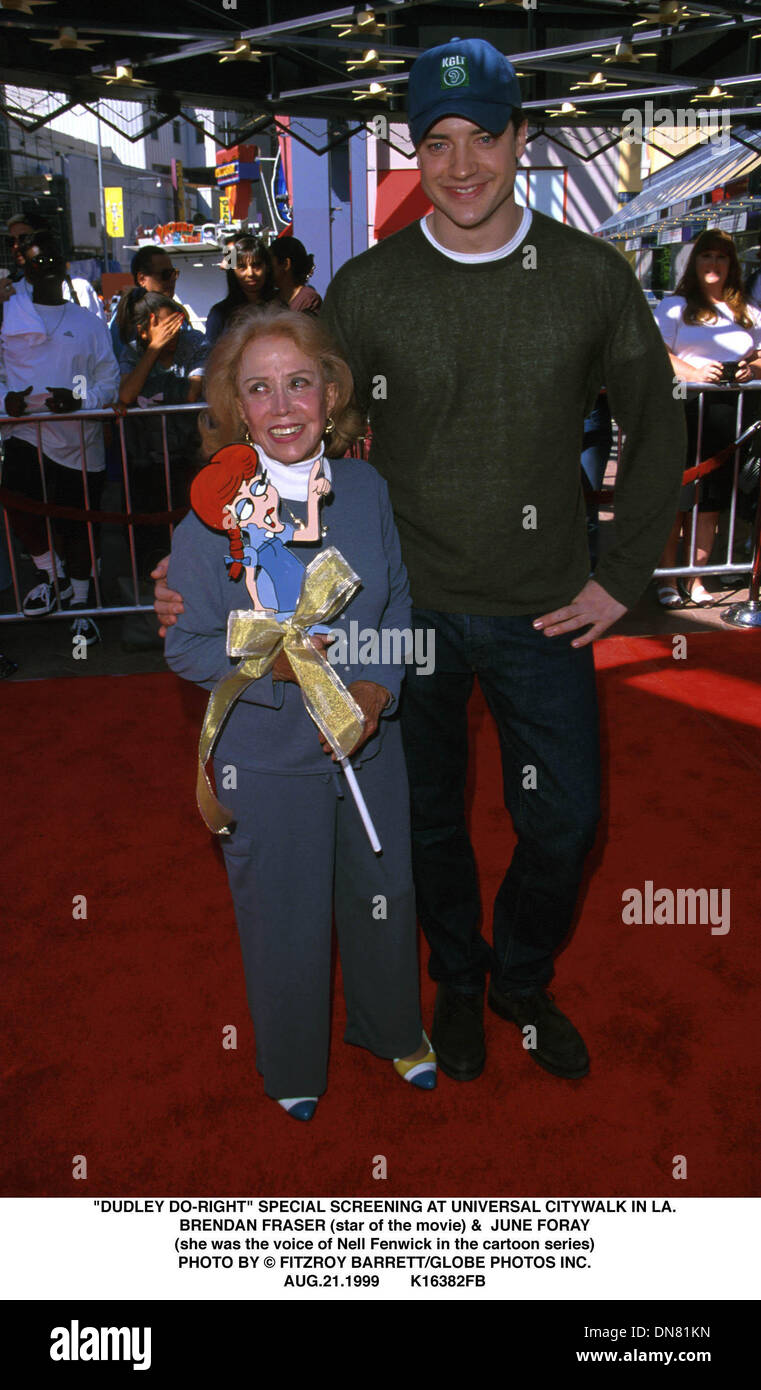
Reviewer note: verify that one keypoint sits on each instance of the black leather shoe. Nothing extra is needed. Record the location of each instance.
(559, 1047)
(458, 1033)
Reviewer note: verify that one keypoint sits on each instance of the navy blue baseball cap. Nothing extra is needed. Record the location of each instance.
(465, 77)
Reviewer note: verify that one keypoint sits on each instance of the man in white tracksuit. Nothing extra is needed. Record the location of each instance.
(54, 356)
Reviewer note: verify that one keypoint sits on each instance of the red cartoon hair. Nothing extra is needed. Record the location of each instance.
(216, 485)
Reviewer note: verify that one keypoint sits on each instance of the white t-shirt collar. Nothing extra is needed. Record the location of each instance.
(480, 257)
(292, 479)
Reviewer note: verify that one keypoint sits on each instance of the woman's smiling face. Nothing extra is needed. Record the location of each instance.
(283, 398)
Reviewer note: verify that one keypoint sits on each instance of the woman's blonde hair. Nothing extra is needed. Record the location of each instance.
(222, 423)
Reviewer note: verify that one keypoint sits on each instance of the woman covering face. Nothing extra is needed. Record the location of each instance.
(161, 364)
(270, 501)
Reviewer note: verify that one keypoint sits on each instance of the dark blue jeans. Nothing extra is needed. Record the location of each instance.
(541, 692)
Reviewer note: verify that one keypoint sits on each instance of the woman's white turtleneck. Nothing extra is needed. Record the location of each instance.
(292, 479)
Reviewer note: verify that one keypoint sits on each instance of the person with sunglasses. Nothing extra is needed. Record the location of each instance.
(152, 272)
(18, 226)
(75, 288)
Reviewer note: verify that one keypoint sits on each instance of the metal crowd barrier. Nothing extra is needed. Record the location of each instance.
(725, 566)
(747, 614)
(117, 420)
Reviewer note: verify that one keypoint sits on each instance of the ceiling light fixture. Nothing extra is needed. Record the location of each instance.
(241, 52)
(123, 74)
(68, 39)
(375, 89)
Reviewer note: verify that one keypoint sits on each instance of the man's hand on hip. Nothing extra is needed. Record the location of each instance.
(166, 602)
(593, 607)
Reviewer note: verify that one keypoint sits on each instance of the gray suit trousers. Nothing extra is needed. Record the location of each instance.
(298, 854)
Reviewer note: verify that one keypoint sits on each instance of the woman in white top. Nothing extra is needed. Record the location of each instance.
(707, 323)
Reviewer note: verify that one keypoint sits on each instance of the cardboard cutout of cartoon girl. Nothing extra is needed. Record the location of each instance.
(232, 493)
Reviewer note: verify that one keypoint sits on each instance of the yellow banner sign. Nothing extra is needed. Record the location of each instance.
(114, 211)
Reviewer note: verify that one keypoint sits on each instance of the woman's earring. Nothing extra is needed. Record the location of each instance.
(248, 439)
(330, 425)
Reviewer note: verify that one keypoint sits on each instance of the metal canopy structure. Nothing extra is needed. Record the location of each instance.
(584, 63)
(694, 174)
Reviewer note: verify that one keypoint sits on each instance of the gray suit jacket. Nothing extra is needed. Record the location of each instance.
(269, 729)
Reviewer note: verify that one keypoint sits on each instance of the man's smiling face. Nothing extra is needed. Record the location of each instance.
(469, 174)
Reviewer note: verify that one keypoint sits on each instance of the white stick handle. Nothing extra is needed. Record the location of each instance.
(372, 833)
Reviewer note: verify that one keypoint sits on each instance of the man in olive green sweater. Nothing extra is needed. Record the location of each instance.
(479, 339)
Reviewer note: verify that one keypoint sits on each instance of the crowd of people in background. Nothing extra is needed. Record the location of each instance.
(54, 328)
(55, 356)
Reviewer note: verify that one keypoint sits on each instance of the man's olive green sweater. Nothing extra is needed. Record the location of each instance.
(477, 379)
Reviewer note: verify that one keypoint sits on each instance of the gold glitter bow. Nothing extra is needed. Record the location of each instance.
(329, 583)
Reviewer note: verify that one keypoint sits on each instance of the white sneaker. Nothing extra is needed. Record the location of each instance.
(42, 598)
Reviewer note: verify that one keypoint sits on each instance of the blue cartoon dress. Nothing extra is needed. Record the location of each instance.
(280, 573)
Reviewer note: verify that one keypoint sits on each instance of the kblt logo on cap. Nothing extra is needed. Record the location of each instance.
(454, 70)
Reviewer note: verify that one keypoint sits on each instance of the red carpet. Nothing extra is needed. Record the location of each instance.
(114, 1045)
